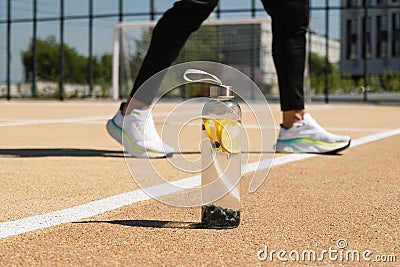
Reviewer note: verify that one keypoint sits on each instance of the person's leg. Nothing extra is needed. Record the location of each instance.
(289, 26)
(299, 131)
(139, 135)
(169, 37)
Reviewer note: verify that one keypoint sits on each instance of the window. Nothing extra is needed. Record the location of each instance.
(367, 29)
(352, 3)
(396, 35)
(382, 33)
(382, 2)
(367, 3)
(352, 39)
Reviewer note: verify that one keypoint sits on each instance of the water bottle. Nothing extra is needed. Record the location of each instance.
(221, 165)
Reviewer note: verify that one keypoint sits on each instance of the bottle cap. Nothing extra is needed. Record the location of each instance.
(221, 91)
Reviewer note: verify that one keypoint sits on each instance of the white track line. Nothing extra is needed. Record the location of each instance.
(50, 121)
(253, 126)
(98, 120)
(91, 209)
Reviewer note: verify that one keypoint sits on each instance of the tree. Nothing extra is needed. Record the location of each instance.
(102, 71)
(48, 67)
(75, 65)
(317, 74)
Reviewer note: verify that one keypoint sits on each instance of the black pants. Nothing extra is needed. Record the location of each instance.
(290, 20)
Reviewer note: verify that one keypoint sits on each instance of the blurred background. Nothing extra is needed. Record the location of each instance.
(69, 49)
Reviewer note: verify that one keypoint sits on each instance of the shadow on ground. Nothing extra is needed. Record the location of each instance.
(243, 152)
(59, 152)
(78, 152)
(152, 224)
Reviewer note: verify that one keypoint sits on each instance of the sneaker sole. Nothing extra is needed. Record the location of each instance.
(306, 145)
(113, 131)
(122, 137)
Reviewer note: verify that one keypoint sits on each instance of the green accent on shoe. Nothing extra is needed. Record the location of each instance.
(133, 144)
(308, 140)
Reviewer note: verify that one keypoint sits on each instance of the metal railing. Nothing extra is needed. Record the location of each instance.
(152, 14)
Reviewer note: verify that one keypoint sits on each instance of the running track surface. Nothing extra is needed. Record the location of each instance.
(67, 197)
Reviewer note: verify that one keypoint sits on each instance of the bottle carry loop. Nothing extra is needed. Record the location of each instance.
(218, 90)
(214, 79)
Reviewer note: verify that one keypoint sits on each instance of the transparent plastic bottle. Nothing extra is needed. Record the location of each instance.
(221, 162)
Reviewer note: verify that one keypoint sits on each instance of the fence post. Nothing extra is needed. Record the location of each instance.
(8, 49)
(90, 48)
(152, 10)
(61, 52)
(308, 68)
(326, 51)
(34, 50)
(253, 47)
(120, 19)
(365, 66)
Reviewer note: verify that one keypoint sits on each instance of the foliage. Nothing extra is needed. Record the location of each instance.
(203, 45)
(344, 83)
(75, 65)
(317, 73)
(390, 81)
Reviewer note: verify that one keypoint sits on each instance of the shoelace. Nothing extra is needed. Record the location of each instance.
(316, 125)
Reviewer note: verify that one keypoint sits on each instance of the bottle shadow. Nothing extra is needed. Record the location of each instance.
(152, 224)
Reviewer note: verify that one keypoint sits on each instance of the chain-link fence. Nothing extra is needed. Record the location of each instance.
(63, 49)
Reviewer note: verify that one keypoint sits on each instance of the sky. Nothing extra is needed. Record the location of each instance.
(76, 31)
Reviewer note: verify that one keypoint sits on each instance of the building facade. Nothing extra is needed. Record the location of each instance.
(376, 37)
(249, 49)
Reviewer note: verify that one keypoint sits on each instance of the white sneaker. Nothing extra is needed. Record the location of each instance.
(114, 127)
(307, 136)
(138, 134)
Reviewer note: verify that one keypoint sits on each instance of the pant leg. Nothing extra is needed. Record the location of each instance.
(168, 38)
(290, 19)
